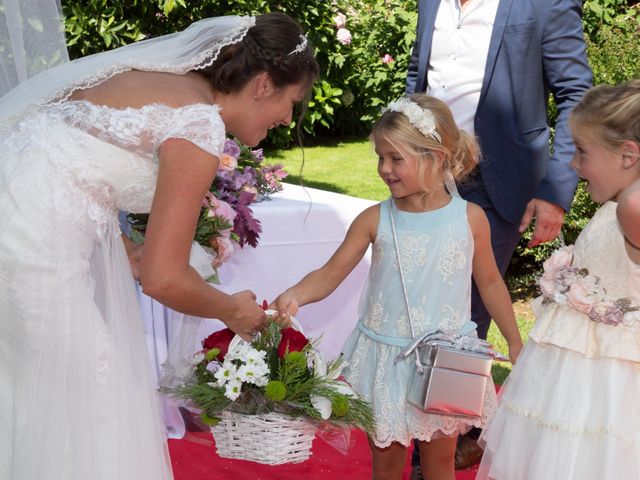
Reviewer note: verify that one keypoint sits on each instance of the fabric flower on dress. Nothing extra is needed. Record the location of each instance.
(570, 285)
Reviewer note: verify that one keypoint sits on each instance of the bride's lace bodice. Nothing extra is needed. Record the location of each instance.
(142, 130)
(97, 159)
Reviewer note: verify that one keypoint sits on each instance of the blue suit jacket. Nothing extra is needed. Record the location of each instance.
(537, 47)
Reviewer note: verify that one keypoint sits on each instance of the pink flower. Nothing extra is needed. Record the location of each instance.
(547, 283)
(340, 20)
(220, 208)
(344, 36)
(223, 247)
(228, 162)
(560, 259)
(583, 294)
(607, 313)
(250, 189)
(387, 59)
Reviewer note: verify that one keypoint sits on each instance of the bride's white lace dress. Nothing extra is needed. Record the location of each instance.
(77, 398)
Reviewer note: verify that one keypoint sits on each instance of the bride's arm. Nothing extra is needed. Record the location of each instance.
(184, 176)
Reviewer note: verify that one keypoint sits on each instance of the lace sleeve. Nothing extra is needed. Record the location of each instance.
(200, 124)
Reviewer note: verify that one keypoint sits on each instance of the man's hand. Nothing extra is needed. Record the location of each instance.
(548, 221)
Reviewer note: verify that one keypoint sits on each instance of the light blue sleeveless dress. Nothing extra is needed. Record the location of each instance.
(436, 252)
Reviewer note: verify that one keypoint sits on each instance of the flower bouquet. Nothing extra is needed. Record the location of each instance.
(226, 220)
(265, 400)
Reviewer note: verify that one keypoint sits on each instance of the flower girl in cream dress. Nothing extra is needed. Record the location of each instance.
(569, 408)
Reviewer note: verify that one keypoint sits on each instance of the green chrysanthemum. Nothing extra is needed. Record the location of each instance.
(212, 354)
(275, 390)
(208, 420)
(340, 406)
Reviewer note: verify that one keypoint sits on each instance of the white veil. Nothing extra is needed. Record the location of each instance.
(31, 40)
(196, 47)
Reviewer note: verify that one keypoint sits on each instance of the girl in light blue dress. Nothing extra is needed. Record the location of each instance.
(442, 241)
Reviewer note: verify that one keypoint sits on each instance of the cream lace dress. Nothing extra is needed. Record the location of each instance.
(77, 397)
(569, 409)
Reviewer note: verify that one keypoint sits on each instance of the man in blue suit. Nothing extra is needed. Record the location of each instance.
(495, 62)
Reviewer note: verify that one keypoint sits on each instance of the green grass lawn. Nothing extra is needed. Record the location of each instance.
(349, 167)
(343, 167)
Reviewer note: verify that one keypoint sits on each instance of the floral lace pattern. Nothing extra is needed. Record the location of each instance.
(106, 159)
(452, 257)
(414, 250)
(143, 130)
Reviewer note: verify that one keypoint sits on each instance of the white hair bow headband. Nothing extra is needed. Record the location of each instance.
(419, 117)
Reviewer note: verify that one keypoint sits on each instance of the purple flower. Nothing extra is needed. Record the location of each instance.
(606, 313)
(231, 148)
(258, 154)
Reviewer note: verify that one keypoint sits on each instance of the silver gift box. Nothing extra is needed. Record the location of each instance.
(453, 381)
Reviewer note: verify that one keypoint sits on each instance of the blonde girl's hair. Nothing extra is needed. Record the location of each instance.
(612, 112)
(459, 150)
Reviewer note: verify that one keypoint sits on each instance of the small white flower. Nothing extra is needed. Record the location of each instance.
(237, 351)
(251, 373)
(344, 389)
(253, 356)
(322, 405)
(262, 381)
(630, 318)
(233, 390)
(226, 373)
(198, 357)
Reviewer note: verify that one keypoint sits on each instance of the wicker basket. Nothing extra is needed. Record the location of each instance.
(273, 438)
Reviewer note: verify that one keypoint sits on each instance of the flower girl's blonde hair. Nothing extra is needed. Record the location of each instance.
(611, 112)
(399, 125)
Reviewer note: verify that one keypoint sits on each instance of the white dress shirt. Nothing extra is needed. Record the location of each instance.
(459, 50)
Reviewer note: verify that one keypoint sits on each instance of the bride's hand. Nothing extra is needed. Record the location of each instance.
(247, 318)
(134, 252)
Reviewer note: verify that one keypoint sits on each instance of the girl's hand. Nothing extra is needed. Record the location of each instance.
(514, 351)
(285, 306)
(247, 317)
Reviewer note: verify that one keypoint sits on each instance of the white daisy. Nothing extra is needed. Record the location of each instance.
(233, 390)
(226, 373)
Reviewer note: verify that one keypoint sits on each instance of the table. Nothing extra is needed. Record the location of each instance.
(301, 228)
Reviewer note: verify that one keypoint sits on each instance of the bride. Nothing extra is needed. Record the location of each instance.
(141, 129)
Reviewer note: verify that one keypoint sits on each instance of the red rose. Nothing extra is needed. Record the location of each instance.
(292, 341)
(221, 340)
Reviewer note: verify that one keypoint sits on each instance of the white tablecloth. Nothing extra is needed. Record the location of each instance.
(301, 228)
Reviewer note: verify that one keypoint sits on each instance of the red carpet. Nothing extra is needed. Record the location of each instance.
(196, 461)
